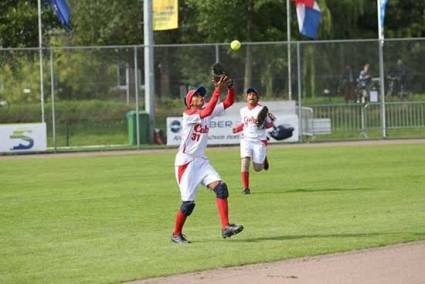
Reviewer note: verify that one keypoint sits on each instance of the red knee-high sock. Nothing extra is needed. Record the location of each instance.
(245, 179)
(223, 211)
(180, 219)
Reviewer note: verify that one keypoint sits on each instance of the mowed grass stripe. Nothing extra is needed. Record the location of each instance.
(108, 219)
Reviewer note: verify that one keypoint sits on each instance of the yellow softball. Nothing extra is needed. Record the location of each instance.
(235, 45)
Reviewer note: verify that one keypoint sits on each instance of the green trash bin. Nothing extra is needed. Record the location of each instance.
(143, 127)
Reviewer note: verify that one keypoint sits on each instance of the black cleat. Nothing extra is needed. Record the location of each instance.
(266, 164)
(179, 239)
(230, 230)
(261, 117)
(246, 191)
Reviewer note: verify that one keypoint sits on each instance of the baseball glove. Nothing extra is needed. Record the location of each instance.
(217, 71)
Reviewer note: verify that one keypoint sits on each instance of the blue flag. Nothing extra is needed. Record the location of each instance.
(383, 6)
(63, 13)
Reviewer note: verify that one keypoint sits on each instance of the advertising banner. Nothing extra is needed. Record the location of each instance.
(220, 129)
(25, 137)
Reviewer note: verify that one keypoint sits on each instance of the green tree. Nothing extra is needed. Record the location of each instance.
(405, 18)
(105, 22)
(20, 77)
(223, 21)
(350, 19)
(102, 22)
(19, 22)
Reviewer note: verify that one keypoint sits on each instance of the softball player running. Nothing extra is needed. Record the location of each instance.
(191, 165)
(255, 119)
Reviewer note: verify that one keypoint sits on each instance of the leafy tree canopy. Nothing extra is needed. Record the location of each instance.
(105, 22)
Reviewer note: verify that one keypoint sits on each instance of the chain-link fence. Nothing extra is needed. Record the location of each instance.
(95, 95)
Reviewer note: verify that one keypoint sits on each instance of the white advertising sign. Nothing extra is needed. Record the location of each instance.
(220, 132)
(25, 137)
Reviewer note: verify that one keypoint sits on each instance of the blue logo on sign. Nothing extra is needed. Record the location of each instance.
(20, 134)
(175, 126)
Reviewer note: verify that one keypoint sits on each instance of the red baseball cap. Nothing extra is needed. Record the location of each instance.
(200, 91)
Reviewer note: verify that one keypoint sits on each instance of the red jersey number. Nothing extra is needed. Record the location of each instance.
(196, 136)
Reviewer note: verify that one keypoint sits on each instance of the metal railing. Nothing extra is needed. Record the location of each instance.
(365, 117)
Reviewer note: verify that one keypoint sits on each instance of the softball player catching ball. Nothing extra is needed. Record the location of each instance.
(191, 165)
(255, 119)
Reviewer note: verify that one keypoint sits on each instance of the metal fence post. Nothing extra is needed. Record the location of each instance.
(40, 54)
(288, 32)
(217, 53)
(127, 82)
(52, 92)
(136, 82)
(382, 87)
(363, 119)
(300, 113)
(149, 66)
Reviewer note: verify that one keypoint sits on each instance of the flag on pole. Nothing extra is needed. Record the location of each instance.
(383, 6)
(63, 13)
(165, 14)
(308, 14)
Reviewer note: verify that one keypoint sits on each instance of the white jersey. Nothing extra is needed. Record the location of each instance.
(195, 135)
(250, 130)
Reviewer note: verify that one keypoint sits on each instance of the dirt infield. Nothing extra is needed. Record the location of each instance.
(403, 263)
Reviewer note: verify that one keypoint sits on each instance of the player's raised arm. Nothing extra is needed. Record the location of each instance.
(208, 110)
(230, 97)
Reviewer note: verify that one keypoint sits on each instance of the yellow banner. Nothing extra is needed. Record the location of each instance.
(165, 14)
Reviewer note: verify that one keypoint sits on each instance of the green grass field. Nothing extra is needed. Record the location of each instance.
(108, 219)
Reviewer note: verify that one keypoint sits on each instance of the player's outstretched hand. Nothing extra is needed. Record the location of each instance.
(230, 83)
(221, 83)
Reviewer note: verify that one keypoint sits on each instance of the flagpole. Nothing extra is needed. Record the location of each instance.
(149, 67)
(40, 50)
(381, 68)
(288, 33)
